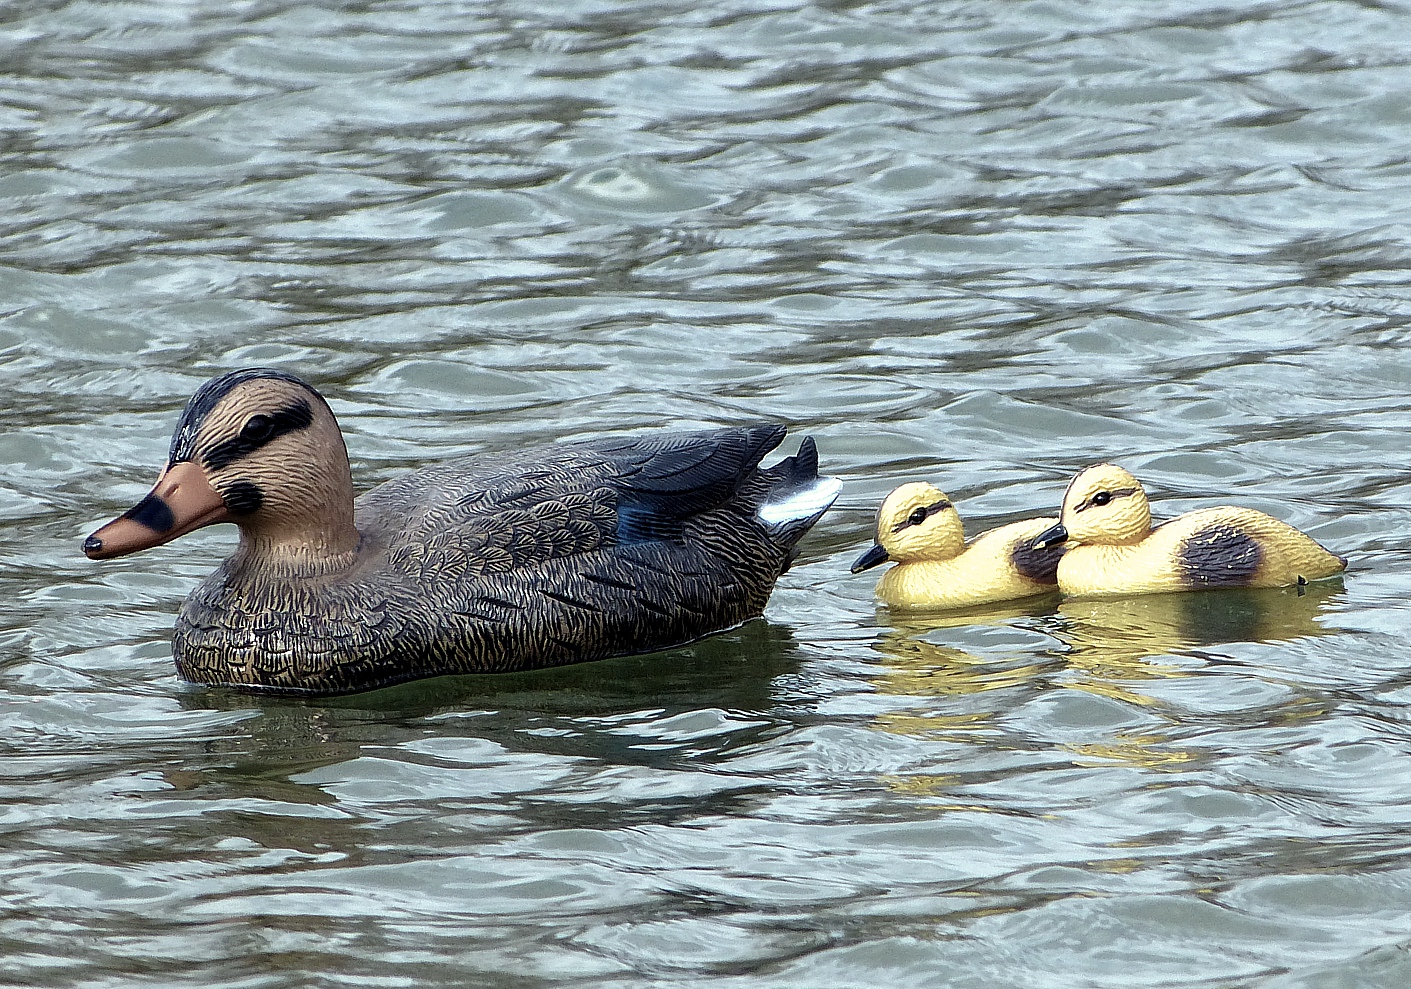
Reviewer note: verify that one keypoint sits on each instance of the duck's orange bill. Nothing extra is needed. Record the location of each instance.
(180, 501)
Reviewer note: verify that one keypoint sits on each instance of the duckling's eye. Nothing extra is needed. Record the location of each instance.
(1102, 497)
(917, 516)
(258, 428)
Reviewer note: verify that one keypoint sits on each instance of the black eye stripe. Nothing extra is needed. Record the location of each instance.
(208, 396)
(926, 511)
(286, 420)
(1117, 493)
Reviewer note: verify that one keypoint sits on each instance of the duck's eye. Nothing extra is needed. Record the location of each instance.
(257, 429)
(1102, 497)
(917, 516)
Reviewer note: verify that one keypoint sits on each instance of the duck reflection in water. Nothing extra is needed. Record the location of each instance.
(735, 671)
(1117, 637)
(498, 731)
(977, 688)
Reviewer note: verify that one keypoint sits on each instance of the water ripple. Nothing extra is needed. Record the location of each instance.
(981, 244)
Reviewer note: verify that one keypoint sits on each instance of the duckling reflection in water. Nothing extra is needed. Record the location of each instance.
(1119, 649)
(919, 529)
(1109, 636)
(1106, 523)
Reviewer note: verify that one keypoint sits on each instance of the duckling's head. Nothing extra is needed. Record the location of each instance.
(1104, 505)
(916, 522)
(259, 448)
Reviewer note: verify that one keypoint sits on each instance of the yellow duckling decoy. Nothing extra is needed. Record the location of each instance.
(919, 529)
(1106, 523)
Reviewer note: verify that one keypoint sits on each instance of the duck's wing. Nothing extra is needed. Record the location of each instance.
(580, 550)
(664, 479)
(529, 506)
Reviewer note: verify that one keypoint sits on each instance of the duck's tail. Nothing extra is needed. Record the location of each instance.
(796, 497)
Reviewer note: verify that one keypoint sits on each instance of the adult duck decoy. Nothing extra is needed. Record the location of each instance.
(920, 530)
(1112, 548)
(531, 558)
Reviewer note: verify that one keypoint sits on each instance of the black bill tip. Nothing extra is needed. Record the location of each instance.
(1051, 536)
(873, 557)
(92, 546)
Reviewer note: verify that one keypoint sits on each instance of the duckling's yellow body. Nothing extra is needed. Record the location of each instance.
(919, 529)
(984, 573)
(1112, 548)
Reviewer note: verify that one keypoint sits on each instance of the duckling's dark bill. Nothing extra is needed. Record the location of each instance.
(182, 500)
(872, 558)
(1051, 536)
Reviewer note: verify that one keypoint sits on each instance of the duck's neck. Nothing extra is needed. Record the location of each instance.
(320, 557)
(318, 543)
(304, 523)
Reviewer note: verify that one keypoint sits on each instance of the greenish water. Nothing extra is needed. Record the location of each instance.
(984, 244)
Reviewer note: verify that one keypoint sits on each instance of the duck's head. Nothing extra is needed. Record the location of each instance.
(259, 448)
(916, 522)
(1104, 505)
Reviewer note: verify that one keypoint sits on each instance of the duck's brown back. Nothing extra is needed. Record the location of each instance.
(530, 559)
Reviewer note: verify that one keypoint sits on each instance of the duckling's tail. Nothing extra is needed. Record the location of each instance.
(796, 497)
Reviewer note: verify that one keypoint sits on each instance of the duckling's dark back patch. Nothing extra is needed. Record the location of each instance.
(1220, 556)
(1038, 565)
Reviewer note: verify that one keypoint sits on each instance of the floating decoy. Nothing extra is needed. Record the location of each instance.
(1112, 548)
(531, 558)
(919, 529)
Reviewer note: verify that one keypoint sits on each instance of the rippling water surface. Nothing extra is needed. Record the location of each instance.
(983, 243)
